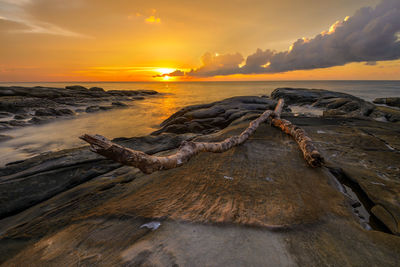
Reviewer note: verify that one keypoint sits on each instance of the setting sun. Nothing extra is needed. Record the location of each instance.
(164, 70)
(167, 78)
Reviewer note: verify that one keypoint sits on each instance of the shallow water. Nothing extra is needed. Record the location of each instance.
(143, 117)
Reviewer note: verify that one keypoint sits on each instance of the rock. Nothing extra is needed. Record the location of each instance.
(138, 97)
(289, 214)
(4, 137)
(65, 111)
(58, 102)
(92, 109)
(105, 108)
(76, 87)
(195, 127)
(389, 114)
(335, 103)
(46, 112)
(387, 218)
(390, 101)
(96, 89)
(16, 123)
(176, 128)
(5, 115)
(4, 125)
(37, 120)
(74, 207)
(148, 92)
(214, 116)
(119, 104)
(21, 116)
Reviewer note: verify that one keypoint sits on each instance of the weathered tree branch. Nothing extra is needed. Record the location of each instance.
(310, 153)
(148, 164)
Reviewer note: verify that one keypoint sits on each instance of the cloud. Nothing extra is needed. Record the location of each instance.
(171, 74)
(14, 11)
(370, 35)
(153, 20)
(217, 64)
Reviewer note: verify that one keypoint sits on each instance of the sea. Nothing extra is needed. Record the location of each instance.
(143, 117)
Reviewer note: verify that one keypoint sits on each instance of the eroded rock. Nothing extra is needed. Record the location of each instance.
(51, 103)
(273, 209)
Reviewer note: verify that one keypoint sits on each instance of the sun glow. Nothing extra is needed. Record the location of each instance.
(164, 70)
(166, 78)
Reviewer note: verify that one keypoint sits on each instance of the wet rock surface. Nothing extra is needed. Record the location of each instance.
(23, 106)
(256, 204)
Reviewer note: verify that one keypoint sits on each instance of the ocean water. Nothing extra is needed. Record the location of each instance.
(144, 117)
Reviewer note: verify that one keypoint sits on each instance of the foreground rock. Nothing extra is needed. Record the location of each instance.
(390, 101)
(22, 106)
(257, 204)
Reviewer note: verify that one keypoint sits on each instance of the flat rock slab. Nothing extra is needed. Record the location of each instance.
(256, 204)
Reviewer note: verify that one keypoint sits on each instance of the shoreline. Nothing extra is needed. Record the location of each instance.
(24, 106)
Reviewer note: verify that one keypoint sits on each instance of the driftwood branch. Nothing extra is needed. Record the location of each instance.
(310, 153)
(148, 164)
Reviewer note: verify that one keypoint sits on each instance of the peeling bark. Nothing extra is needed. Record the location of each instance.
(310, 152)
(148, 164)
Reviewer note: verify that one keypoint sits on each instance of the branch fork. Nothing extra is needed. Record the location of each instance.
(149, 164)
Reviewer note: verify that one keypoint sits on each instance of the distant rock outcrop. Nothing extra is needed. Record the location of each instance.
(24, 106)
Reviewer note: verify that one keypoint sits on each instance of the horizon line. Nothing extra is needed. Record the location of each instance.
(166, 82)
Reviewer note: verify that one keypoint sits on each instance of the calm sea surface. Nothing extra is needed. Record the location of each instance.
(143, 117)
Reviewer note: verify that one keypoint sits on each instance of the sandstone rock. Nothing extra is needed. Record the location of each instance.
(96, 89)
(65, 111)
(92, 109)
(138, 98)
(105, 108)
(284, 212)
(148, 92)
(75, 208)
(214, 116)
(390, 101)
(38, 120)
(119, 104)
(5, 114)
(46, 112)
(390, 114)
(16, 123)
(4, 137)
(76, 87)
(342, 104)
(21, 116)
(57, 102)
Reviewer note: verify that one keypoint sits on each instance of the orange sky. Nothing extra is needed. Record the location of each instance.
(121, 40)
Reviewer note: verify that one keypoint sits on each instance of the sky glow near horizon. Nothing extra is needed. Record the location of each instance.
(100, 40)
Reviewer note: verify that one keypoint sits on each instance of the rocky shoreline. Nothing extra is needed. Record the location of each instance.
(24, 106)
(256, 203)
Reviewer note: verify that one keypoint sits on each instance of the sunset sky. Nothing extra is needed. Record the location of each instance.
(128, 40)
